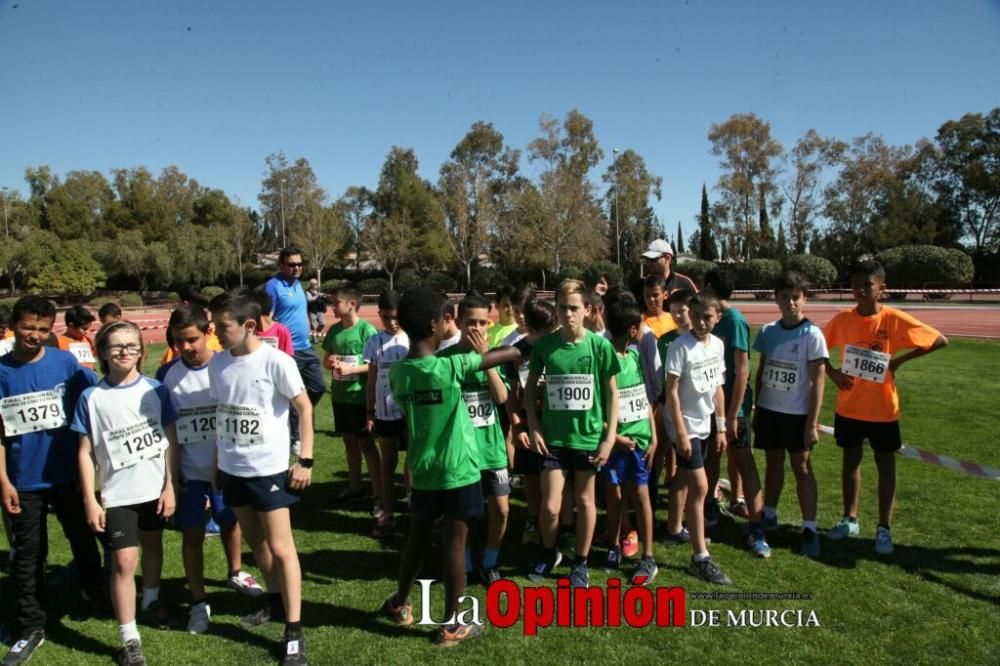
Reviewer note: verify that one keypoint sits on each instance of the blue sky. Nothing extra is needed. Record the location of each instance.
(214, 87)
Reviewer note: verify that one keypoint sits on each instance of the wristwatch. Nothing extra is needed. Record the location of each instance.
(306, 463)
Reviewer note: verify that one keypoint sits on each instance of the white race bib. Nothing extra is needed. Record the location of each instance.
(865, 363)
(632, 404)
(522, 374)
(6, 345)
(351, 361)
(384, 392)
(196, 424)
(82, 352)
(269, 340)
(42, 410)
(707, 374)
(243, 425)
(573, 393)
(132, 443)
(780, 375)
(480, 406)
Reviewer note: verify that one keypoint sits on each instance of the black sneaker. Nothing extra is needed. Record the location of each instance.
(22, 650)
(489, 576)
(295, 650)
(131, 654)
(613, 561)
(709, 571)
(257, 618)
(156, 615)
(541, 570)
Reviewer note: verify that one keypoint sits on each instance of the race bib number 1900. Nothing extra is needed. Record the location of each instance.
(240, 424)
(574, 393)
(42, 410)
(139, 441)
(865, 363)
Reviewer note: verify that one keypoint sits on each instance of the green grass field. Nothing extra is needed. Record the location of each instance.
(936, 600)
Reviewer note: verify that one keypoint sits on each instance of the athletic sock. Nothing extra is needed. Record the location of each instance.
(809, 525)
(292, 628)
(490, 556)
(149, 596)
(580, 559)
(701, 557)
(129, 632)
(770, 512)
(883, 525)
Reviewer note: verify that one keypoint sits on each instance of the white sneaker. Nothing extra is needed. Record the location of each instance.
(883, 541)
(199, 618)
(245, 584)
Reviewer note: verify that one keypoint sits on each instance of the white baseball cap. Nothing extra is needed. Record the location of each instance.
(657, 249)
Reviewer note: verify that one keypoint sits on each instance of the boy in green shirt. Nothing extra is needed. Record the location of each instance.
(578, 424)
(344, 345)
(482, 391)
(444, 459)
(635, 443)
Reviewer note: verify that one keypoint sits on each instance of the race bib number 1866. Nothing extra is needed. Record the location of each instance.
(865, 363)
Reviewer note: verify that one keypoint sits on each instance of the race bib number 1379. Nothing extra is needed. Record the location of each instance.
(31, 412)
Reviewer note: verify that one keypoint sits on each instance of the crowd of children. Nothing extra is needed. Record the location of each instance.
(597, 398)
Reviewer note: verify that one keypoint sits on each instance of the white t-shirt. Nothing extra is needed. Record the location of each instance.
(189, 393)
(652, 368)
(253, 392)
(381, 351)
(785, 382)
(701, 368)
(450, 342)
(125, 424)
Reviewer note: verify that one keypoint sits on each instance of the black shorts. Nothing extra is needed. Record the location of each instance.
(495, 482)
(883, 437)
(260, 493)
(742, 435)
(777, 430)
(123, 523)
(699, 451)
(568, 460)
(526, 461)
(393, 430)
(350, 419)
(461, 502)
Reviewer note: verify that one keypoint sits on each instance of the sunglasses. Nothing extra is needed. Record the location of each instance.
(291, 265)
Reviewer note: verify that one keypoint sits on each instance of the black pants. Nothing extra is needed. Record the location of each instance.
(31, 549)
(312, 376)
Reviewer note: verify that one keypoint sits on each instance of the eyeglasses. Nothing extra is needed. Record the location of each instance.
(131, 350)
(291, 265)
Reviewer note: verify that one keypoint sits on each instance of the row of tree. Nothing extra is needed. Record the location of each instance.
(833, 198)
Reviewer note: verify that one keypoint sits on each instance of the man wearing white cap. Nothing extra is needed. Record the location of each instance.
(658, 257)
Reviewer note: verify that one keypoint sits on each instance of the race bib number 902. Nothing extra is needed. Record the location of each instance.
(480, 406)
(240, 424)
(573, 393)
(42, 410)
(865, 363)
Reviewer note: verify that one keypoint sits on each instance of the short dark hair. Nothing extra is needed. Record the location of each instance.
(791, 280)
(522, 295)
(4, 316)
(449, 306)
(680, 296)
(622, 315)
(33, 305)
(418, 308)
(190, 294)
(593, 299)
(539, 314)
(77, 315)
(868, 267)
(654, 280)
(186, 315)
(619, 294)
(349, 292)
(109, 310)
(389, 300)
(264, 299)
(289, 251)
(504, 291)
(239, 303)
(472, 301)
(722, 282)
(704, 299)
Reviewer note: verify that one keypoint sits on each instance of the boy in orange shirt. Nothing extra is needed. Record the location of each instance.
(75, 339)
(867, 403)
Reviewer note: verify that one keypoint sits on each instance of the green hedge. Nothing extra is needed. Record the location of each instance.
(130, 299)
(819, 271)
(696, 270)
(212, 291)
(918, 266)
(757, 274)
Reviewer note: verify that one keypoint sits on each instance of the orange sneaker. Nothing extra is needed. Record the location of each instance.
(402, 614)
(630, 544)
(454, 634)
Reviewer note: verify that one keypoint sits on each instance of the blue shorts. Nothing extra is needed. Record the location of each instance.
(192, 502)
(626, 466)
(699, 452)
(261, 493)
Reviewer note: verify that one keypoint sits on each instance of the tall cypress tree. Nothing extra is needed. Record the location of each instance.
(706, 249)
(765, 244)
(781, 245)
(679, 246)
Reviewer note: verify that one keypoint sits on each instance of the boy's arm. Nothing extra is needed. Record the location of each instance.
(370, 390)
(651, 449)
(897, 361)
(168, 500)
(741, 372)
(840, 380)
(8, 493)
(92, 509)
(720, 409)
(610, 387)
(498, 389)
(816, 372)
(757, 376)
(674, 405)
(300, 477)
(535, 436)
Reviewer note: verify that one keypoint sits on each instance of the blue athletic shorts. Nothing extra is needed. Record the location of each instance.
(626, 466)
(192, 504)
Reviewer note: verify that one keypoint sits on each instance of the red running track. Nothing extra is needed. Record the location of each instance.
(972, 321)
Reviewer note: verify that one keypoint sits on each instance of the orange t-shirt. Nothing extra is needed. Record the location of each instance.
(83, 350)
(213, 344)
(887, 332)
(660, 325)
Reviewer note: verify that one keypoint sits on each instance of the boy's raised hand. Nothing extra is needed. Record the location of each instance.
(478, 341)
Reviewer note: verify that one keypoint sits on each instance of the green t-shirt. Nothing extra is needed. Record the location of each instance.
(663, 343)
(478, 402)
(573, 393)
(734, 332)
(497, 332)
(442, 450)
(633, 406)
(349, 345)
